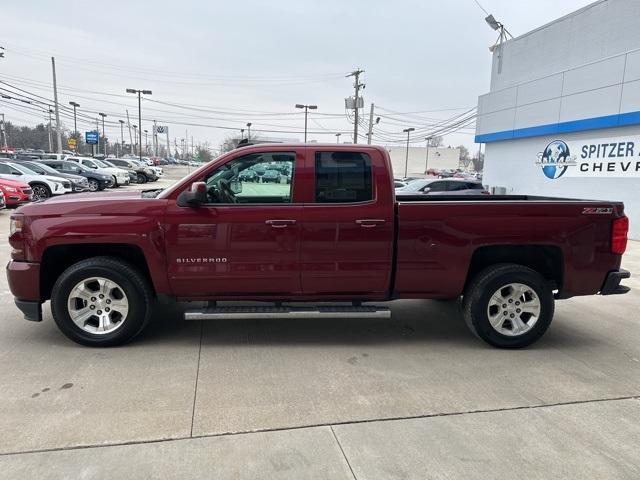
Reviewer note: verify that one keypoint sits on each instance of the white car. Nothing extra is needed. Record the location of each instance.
(156, 170)
(120, 176)
(43, 186)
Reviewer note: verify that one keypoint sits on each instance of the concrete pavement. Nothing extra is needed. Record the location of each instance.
(414, 397)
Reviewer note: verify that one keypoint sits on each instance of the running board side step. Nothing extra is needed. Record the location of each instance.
(228, 313)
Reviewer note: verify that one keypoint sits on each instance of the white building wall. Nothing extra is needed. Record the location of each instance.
(441, 158)
(512, 164)
(599, 30)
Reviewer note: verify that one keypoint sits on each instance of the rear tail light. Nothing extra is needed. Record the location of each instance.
(619, 233)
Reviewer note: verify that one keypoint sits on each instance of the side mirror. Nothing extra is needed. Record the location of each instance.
(194, 196)
(235, 186)
(78, 170)
(426, 190)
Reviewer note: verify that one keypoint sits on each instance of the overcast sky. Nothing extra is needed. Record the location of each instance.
(237, 60)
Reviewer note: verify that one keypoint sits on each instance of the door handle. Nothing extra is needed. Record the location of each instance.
(280, 223)
(370, 222)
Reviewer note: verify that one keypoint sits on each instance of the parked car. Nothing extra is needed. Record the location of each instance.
(353, 240)
(271, 176)
(78, 182)
(430, 186)
(96, 180)
(247, 175)
(158, 171)
(16, 193)
(133, 176)
(43, 186)
(120, 176)
(2, 204)
(144, 173)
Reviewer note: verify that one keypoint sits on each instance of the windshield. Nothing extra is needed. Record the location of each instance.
(41, 168)
(101, 163)
(23, 169)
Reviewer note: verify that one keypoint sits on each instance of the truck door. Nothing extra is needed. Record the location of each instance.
(246, 240)
(348, 223)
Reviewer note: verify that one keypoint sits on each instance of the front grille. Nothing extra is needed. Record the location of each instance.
(66, 184)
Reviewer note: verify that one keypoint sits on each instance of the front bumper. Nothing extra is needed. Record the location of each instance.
(611, 285)
(24, 283)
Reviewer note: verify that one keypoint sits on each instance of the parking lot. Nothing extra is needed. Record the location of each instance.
(413, 397)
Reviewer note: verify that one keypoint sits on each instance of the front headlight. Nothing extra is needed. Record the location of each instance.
(15, 224)
(11, 189)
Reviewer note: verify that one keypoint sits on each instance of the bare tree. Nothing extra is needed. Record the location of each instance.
(478, 163)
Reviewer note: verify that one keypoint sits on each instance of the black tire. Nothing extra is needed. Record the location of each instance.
(133, 284)
(40, 191)
(142, 178)
(94, 185)
(476, 300)
(115, 182)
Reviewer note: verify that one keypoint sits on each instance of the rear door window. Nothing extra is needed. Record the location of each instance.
(343, 177)
(437, 186)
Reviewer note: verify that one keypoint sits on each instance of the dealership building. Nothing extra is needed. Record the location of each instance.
(562, 117)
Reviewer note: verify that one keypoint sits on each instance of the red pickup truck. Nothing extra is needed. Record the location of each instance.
(298, 226)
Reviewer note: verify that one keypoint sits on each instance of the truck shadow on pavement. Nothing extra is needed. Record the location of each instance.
(413, 321)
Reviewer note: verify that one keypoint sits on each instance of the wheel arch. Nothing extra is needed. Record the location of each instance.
(57, 258)
(547, 260)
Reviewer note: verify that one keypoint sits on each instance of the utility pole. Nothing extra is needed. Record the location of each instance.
(55, 99)
(370, 125)
(357, 86)
(146, 142)
(50, 139)
(121, 137)
(4, 134)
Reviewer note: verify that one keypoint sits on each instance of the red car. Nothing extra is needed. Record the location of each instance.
(15, 193)
(331, 230)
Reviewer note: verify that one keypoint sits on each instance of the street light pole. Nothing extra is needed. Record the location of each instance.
(146, 142)
(338, 137)
(306, 113)
(139, 92)
(406, 159)
(104, 140)
(249, 131)
(75, 123)
(242, 134)
(426, 164)
(121, 137)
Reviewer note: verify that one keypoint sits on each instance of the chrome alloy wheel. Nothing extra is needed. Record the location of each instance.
(513, 309)
(98, 305)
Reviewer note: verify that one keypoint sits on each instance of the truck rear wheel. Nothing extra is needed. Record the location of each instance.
(101, 301)
(508, 305)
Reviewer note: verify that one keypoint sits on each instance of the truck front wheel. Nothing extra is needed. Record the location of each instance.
(508, 305)
(101, 301)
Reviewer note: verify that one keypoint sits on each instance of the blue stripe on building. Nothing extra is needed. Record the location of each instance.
(595, 123)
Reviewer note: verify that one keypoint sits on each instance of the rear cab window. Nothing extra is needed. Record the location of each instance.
(343, 177)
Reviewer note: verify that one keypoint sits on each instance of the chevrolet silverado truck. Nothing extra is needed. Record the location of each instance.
(325, 238)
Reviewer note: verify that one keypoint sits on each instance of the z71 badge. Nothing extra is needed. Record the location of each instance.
(597, 211)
